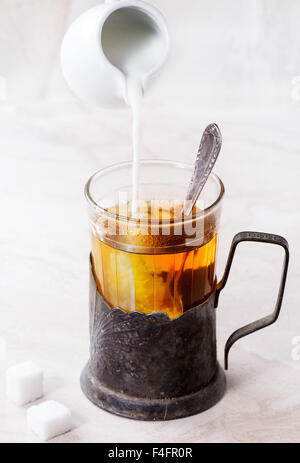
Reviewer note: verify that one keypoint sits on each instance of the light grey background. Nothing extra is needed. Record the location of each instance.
(236, 63)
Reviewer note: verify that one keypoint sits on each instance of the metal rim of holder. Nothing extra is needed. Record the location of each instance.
(269, 319)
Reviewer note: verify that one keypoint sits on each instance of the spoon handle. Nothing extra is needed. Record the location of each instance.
(208, 152)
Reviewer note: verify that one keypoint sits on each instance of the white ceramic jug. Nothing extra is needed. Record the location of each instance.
(98, 43)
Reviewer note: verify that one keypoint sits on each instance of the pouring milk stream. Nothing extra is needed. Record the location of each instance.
(109, 55)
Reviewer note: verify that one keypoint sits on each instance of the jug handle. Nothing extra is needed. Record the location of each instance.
(269, 319)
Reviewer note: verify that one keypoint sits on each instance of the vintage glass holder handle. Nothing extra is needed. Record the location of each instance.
(269, 319)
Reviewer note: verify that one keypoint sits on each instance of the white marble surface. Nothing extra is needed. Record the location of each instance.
(50, 144)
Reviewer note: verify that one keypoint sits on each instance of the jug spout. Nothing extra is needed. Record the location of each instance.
(109, 42)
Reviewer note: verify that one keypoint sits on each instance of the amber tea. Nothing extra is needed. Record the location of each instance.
(154, 268)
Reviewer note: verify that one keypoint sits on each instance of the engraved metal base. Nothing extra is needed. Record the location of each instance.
(153, 409)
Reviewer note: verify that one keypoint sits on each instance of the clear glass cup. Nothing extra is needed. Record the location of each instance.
(154, 259)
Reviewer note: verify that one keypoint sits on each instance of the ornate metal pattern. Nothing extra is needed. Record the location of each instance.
(152, 360)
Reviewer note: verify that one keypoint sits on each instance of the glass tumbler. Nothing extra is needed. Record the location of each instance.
(156, 260)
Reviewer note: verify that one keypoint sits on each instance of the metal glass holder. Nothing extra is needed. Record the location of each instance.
(149, 367)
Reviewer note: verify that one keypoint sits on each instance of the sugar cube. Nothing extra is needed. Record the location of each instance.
(49, 419)
(24, 382)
